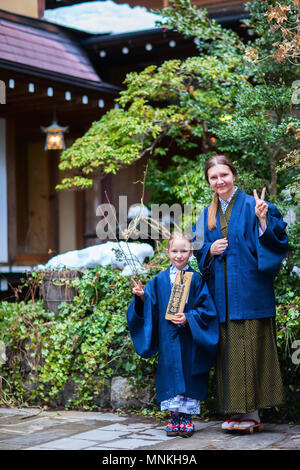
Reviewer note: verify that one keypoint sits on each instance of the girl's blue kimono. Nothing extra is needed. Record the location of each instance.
(185, 352)
(252, 260)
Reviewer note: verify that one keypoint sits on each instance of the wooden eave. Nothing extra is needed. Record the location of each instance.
(40, 49)
(56, 77)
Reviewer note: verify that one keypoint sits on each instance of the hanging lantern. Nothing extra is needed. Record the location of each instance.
(55, 135)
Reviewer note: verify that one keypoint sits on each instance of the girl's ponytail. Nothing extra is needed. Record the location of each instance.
(212, 213)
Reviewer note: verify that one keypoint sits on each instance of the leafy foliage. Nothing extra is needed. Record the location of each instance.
(223, 100)
(212, 39)
(86, 344)
(282, 28)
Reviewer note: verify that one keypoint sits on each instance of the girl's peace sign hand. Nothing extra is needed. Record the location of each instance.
(138, 290)
(261, 208)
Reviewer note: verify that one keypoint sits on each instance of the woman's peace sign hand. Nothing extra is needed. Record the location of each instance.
(138, 290)
(261, 208)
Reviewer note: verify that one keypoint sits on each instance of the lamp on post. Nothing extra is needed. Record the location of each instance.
(55, 135)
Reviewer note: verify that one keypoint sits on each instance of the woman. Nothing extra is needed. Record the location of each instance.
(243, 246)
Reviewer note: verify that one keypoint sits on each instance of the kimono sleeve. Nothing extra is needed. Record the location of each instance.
(204, 323)
(272, 245)
(204, 259)
(142, 323)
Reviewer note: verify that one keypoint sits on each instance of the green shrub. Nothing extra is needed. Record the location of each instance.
(88, 339)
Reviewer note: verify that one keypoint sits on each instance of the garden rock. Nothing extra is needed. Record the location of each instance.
(123, 394)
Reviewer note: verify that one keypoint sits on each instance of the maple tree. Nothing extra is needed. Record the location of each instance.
(285, 18)
(214, 102)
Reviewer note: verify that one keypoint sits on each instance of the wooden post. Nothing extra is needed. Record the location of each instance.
(3, 194)
(53, 208)
(79, 202)
(41, 8)
(11, 191)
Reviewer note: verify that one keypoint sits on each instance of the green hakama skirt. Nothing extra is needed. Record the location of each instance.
(247, 368)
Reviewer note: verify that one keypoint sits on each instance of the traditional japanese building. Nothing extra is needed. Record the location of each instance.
(47, 73)
(43, 71)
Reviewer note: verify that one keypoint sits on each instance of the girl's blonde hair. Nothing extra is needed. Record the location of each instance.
(213, 208)
(179, 236)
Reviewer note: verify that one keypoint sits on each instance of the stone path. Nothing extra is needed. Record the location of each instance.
(30, 429)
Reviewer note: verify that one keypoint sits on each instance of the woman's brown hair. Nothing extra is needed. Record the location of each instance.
(212, 210)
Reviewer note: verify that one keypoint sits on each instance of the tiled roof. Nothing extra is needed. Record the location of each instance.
(48, 49)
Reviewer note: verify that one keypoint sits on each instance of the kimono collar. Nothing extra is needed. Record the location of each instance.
(224, 204)
(174, 270)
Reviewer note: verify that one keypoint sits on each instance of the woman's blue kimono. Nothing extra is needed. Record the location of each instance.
(252, 260)
(185, 352)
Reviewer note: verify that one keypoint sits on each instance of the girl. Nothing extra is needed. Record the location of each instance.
(244, 244)
(186, 345)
